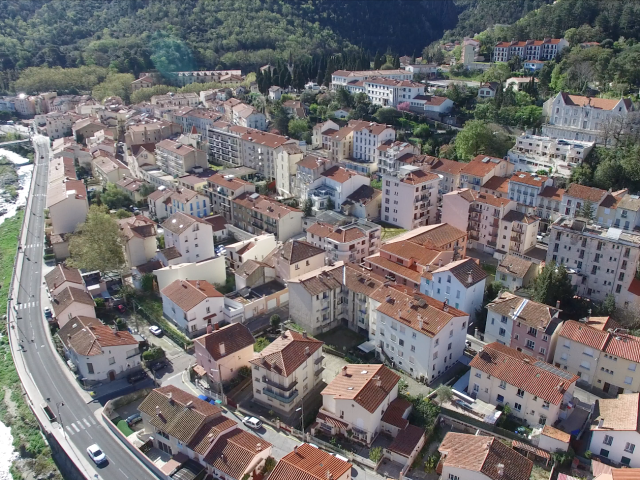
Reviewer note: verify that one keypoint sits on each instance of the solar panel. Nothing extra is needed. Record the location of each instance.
(554, 370)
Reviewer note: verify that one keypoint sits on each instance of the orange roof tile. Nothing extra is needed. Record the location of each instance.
(367, 385)
(309, 463)
(285, 354)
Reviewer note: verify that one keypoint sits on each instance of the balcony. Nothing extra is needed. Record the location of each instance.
(270, 393)
(492, 243)
(318, 371)
(266, 380)
(318, 360)
(516, 238)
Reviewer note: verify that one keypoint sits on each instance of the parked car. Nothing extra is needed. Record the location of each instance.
(157, 366)
(137, 376)
(462, 404)
(47, 313)
(121, 308)
(133, 419)
(96, 454)
(252, 422)
(157, 331)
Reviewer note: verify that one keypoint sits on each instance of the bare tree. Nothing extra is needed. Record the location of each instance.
(579, 75)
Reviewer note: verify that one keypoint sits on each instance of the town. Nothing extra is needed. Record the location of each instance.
(342, 276)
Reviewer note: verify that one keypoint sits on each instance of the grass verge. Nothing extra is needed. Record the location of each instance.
(14, 412)
(122, 426)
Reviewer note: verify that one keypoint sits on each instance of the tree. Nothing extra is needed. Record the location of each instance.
(147, 282)
(114, 198)
(586, 210)
(491, 292)
(553, 284)
(307, 208)
(115, 85)
(438, 57)
(375, 454)
(275, 321)
(330, 203)
(261, 344)
(608, 307)
(387, 115)
(475, 138)
(97, 244)
(146, 189)
(444, 393)
(122, 213)
(298, 127)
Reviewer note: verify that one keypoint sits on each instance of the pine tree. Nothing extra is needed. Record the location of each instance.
(377, 61)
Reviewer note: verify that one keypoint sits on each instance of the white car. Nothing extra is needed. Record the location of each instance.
(157, 331)
(252, 422)
(96, 454)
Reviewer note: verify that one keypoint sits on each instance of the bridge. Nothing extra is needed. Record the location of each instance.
(15, 142)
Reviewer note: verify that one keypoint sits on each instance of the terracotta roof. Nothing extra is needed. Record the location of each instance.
(138, 226)
(450, 167)
(360, 280)
(594, 195)
(484, 454)
(364, 194)
(233, 337)
(463, 269)
(513, 265)
(346, 235)
(270, 140)
(408, 250)
(184, 195)
(170, 253)
(179, 222)
(295, 251)
(372, 127)
(525, 372)
(394, 413)
(432, 99)
(186, 294)
(530, 179)
(311, 162)
(553, 193)
(367, 385)
(601, 323)
(218, 222)
(131, 184)
(248, 267)
(438, 236)
(552, 432)
(490, 199)
(320, 229)
(175, 147)
(332, 421)
(68, 297)
(581, 333)
(209, 432)
(67, 189)
(285, 354)
(264, 205)
(226, 181)
(87, 336)
(407, 440)
(387, 265)
(158, 194)
(60, 274)
(339, 174)
(600, 103)
(149, 267)
(515, 216)
(623, 345)
(497, 184)
(478, 168)
(168, 411)
(415, 310)
(309, 463)
(618, 414)
(634, 287)
(417, 177)
(534, 314)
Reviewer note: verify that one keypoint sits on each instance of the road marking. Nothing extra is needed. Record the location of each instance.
(92, 421)
(124, 473)
(75, 427)
(81, 425)
(69, 429)
(86, 422)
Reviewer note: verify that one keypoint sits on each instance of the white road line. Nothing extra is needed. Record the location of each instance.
(69, 429)
(81, 425)
(86, 422)
(124, 473)
(75, 427)
(92, 421)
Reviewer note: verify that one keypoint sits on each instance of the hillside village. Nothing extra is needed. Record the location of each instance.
(371, 263)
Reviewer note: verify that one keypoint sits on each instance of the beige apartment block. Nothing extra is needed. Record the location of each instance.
(409, 197)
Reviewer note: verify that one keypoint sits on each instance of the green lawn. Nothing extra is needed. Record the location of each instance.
(122, 426)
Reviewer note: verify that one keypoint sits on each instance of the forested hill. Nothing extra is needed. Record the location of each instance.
(229, 33)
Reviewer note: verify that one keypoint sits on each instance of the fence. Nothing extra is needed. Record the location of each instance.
(486, 427)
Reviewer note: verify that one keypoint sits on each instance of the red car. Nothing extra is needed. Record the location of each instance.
(121, 308)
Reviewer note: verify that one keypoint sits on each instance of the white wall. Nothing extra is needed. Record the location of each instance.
(616, 449)
(194, 321)
(101, 363)
(212, 270)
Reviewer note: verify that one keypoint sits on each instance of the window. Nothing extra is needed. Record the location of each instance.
(476, 387)
(90, 367)
(625, 460)
(628, 380)
(503, 384)
(545, 405)
(517, 407)
(608, 440)
(564, 356)
(520, 393)
(604, 453)
(478, 375)
(502, 332)
(531, 344)
(504, 319)
(453, 477)
(585, 365)
(435, 355)
(500, 399)
(629, 447)
(112, 360)
(632, 367)
(588, 352)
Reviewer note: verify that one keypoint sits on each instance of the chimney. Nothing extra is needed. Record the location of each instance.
(284, 334)
(304, 335)
(420, 322)
(209, 329)
(158, 411)
(306, 351)
(378, 381)
(558, 304)
(329, 475)
(500, 468)
(295, 449)
(344, 371)
(198, 284)
(445, 305)
(601, 423)
(216, 326)
(258, 447)
(170, 397)
(388, 299)
(222, 349)
(470, 278)
(439, 262)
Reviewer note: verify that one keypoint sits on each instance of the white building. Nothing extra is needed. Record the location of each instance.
(178, 159)
(536, 392)
(191, 236)
(139, 234)
(515, 272)
(409, 197)
(192, 305)
(546, 49)
(342, 78)
(224, 188)
(257, 214)
(335, 183)
(97, 351)
(72, 302)
(614, 431)
(62, 277)
(68, 205)
(367, 137)
(348, 243)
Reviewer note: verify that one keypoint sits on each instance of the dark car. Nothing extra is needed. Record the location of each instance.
(133, 419)
(157, 366)
(137, 376)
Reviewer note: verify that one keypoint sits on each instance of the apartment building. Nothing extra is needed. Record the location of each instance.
(222, 189)
(68, 205)
(367, 137)
(515, 272)
(342, 78)
(574, 117)
(72, 302)
(261, 151)
(178, 159)
(481, 458)
(348, 243)
(58, 125)
(257, 214)
(133, 188)
(537, 393)
(192, 305)
(356, 400)
(225, 144)
(246, 116)
(286, 168)
(176, 100)
(419, 334)
(190, 202)
(522, 324)
(481, 168)
(308, 174)
(524, 188)
(194, 120)
(549, 202)
(601, 353)
(146, 130)
(388, 92)
(392, 154)
(191, 236)
(605, 260)
(108, 169)
(139, 235)
(449, 172)
(614, 430)
(323, 136)
(533, 152)
(295, 258)
(287, 371)
(334, 185)
(545, 49)
(409, 197)
(518, 232)
(363, 203)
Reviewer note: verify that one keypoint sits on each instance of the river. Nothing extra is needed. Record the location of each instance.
(7, 453)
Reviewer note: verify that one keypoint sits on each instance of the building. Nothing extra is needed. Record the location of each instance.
(191, 236)
(68, 205)
(295, 258)
(577, 199)
(275, 93)
(549, 202)
(348, 243)
(614, 430)
(177, 159)
(109, 170)
(287, 371)
(546, 49)
(364, 203)
(449, 172)
(524, 188)
(62, 277)
(98, 352)
(342, 78)
(334, 186)
(481, 458)
(145, 130)
(257, 214)
(177, 422)
(247, 116)
(532, 66)
(286, 168)
(409, 197)
(222, 189)
(176, 100)
(225, 144)
(132, 187)
(459, 284)
(221, 352)
(604, 259)
(367, 137)
(261, 151)
(536, 392)
(72, 302)
(515, 272)
(355, 401)
(336, 143)
(419, 334)
(481, 168)
(601, 353)
(188, 201)
(574, 117)
(310, 463)
(388, 92)
(139, 234)
(518, 232)
(256, 248)
(488, 90)
(522, 324)
(518, 83)
(58, 125)
(308, 172)
(192, 305)
(433, 106)
(145, 81)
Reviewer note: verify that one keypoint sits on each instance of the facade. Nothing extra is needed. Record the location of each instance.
(367, 137)
(605, 260)
(308, 172)
(518, 232)
(62, 277)
(287, 371)
(488, 90)
(335, 185)
(191, 236)
(72, 302)
(348, 243)
(536, 392)
(192, 305)
(546, 49)
(614, 431)
(364, 203)
(98, 352)
(59, 124)
(149, 130)
(295, 258)
(515, 272)
(409, 197)
(342, 78)
(108, 169)
(188, 201)
(68, 205)
(524, 188)
(140, 244)
(532, 153)
(178, 159)
(261, 150)
(523, 324)
(479, 170)
(225, 144)
(257, 214)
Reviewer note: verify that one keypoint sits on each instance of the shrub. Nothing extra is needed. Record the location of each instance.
(152, 354)
(375, 454)
(261, 344)
(275, 321)
(269, 465)
(99, 302)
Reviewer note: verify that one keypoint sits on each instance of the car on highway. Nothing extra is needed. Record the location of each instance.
(157, 331)
(96, 454)
(47, 313)
(137, 376)
(252, 422)
(133, 419)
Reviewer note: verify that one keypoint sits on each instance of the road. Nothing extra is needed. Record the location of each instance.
(81, 425)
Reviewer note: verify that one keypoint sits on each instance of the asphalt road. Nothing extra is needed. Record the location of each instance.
(81, 425)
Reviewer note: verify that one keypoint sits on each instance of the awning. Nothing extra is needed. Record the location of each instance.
(199, 370)
(367, 347)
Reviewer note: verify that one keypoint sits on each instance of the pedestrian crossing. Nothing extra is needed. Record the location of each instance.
(27, 305)
(33, 245)
(78, 426)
